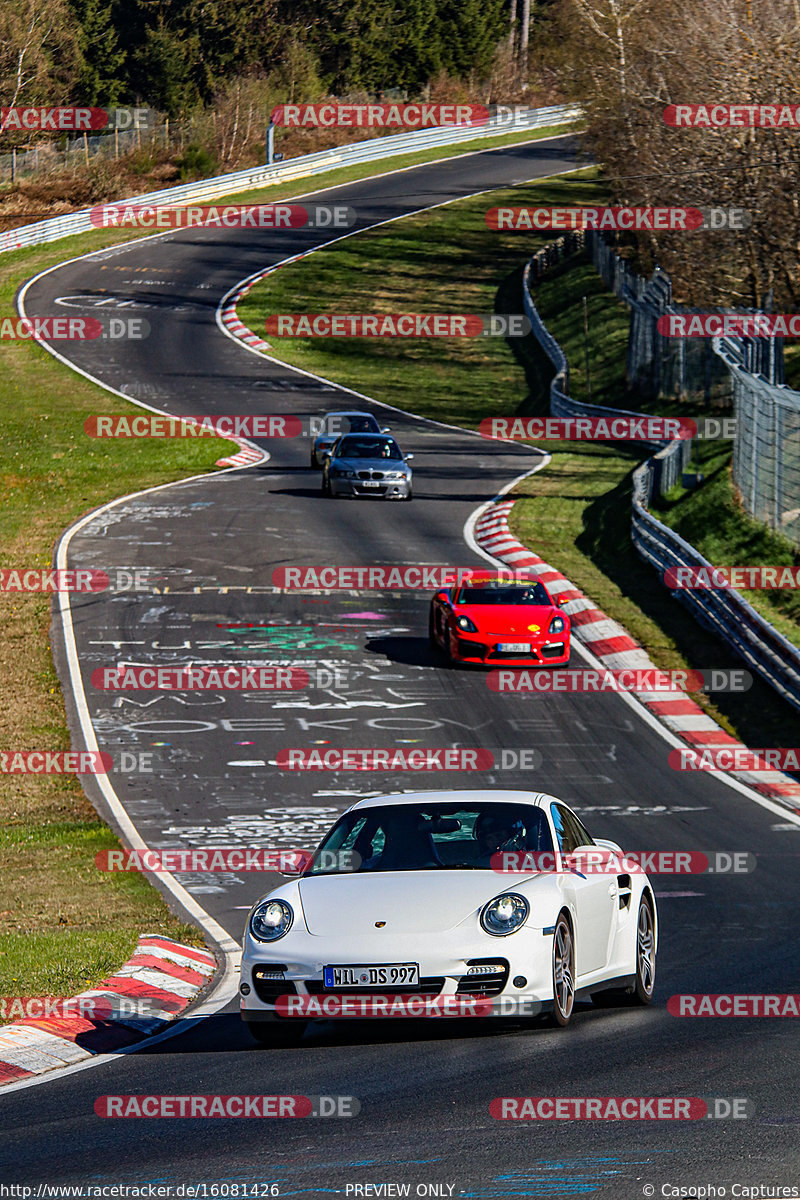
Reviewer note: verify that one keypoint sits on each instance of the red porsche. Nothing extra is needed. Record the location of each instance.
(494, 621)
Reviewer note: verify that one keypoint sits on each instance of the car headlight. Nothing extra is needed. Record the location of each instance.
(464, 623)
(505, 914)
(343, 473)
(558, 625)
(270, 920)
(395, 475)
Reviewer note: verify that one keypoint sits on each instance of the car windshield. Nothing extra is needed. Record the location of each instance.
(429, 837)
(367, 447)
(339, 423)
(503, 593)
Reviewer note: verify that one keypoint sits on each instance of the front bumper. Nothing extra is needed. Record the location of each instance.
(444, 961)
(386, 489)
(483, 650)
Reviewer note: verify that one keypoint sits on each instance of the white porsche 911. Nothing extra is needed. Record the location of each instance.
(500, 894)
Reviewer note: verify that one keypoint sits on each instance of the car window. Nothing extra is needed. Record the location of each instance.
(533, 593)
(584, 837)
(353, 446)
(341, 423)
(570, 832)
(431, 837)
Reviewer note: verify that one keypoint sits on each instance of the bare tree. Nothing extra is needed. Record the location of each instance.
(628, 60)
(524, 36)
(38, 52)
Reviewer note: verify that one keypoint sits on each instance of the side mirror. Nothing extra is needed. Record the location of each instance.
(292, 869)
(408, 457)
(442, 597)
(606, 844)
(325, 454)
(386, 429)
(561, 600)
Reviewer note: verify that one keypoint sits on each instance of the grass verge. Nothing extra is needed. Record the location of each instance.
(63, 923)
(575, 512)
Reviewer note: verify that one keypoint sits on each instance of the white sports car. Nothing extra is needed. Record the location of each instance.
(492, 894)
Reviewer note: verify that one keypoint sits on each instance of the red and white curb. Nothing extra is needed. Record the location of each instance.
(616, 649)
(246, 457)
(167, 975)
(229, 316)
(230, 319)
(249, 453)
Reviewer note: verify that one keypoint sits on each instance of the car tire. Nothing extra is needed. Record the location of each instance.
(325, 486)
(645, 953)
(314, 463)
(563, 971)
(276, 1033)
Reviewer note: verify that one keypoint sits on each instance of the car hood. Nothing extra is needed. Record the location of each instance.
(408, 901)
(511, 618)
(370, 464)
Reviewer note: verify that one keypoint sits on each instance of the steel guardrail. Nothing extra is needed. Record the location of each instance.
(370, 150)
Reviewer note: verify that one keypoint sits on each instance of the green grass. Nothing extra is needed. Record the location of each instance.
(576, 511)
(419, 264)
(62, 923)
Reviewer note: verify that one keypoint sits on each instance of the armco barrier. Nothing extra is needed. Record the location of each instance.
(370, 150)
(725, 613)
(673, 456)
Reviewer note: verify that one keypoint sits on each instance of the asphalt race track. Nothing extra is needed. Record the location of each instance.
(425, 1087)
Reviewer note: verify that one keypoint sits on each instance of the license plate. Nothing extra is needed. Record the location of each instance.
(371, 483)
(515, 647)
(388, 975)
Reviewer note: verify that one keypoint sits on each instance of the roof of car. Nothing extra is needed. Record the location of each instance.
(350, 412)
(475, 796)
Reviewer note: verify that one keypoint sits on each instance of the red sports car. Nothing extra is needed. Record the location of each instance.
(494, 621)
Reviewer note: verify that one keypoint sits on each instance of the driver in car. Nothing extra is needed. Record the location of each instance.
(496, 832)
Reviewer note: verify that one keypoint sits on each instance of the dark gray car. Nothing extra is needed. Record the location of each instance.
(367, 465)
(335, 424)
